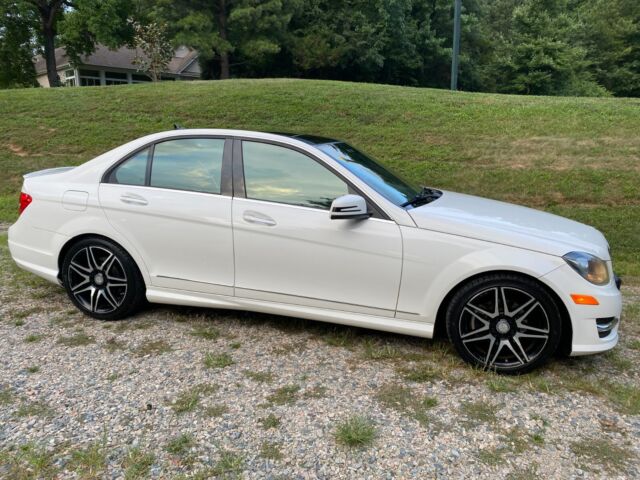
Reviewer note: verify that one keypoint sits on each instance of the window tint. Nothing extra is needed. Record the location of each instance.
(132, 171)
(282, 175)
(373, 174)
(188, 164)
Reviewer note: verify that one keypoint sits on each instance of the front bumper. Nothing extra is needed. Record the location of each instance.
(587, 339)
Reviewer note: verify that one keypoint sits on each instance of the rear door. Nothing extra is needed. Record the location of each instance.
(172, 202)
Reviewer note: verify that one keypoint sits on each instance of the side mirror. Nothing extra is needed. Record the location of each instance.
(349, 207)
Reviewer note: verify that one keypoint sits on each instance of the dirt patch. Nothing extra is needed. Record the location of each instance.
(17, 150)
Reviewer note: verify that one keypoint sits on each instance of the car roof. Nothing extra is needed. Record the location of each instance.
(309, 139)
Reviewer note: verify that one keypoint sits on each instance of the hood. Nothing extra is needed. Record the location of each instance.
(508, 224)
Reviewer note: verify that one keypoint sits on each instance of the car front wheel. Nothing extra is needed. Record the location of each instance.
(504, 322)
(102, 280)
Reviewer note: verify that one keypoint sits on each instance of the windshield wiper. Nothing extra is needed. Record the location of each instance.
(426, 195)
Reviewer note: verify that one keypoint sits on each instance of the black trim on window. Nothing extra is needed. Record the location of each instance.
(238, 174)
(147, 178)
(238, 170)
(226, 175)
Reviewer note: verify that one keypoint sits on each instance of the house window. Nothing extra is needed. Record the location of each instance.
(69, 78)
(140, 78)
(115, 78)
(89, 78)
(89, 81)
(90, 73)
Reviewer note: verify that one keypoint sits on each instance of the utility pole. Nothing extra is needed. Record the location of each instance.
(456, 44)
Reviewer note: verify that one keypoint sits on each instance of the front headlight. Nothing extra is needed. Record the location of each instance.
(590, 267)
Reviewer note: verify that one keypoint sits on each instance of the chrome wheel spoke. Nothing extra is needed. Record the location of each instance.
(110, 301)
(479, 312)
(509, 345)
(93, 300)
(522, 307)
(106, 265)
(524, 326)
(79, 269)
(516, 341)
(110, 298)
(486, 358)
(75, 287)
(503, 300)
(86, 289)
(531, 335)
(91, 259)
(523, 317)
(484, 328)
(495, 355)
(477, 339)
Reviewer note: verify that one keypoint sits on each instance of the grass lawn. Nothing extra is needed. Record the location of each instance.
(578, 157)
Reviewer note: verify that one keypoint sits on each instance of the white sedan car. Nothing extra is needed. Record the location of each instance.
(310, 227)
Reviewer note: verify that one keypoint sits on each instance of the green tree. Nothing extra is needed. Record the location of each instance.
(539, 55)
(16, 45)
(227, 32)
(610, 32)
(82, 23)
(49, 12)
(89, 22)
(155, 51)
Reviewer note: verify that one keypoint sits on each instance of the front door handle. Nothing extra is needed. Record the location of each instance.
(258, 218)
(133, 199)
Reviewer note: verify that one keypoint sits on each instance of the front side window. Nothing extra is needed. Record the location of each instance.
(281, 175)
(193, 164)
(132, 171)
(383, 181)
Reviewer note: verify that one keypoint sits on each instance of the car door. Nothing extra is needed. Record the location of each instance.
(170, 201)
(287, 248)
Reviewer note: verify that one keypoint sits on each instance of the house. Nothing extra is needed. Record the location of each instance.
(113, 67)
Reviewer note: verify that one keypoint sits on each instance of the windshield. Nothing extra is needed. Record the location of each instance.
(372, 173)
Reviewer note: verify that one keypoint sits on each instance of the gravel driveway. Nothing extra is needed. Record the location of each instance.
(216, 394)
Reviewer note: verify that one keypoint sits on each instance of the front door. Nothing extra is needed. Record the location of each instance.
(167, 201)
(288, 249)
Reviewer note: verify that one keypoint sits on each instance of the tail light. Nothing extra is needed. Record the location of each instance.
(25, 201)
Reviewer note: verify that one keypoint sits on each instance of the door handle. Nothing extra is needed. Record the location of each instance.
(133, 199)
(258, 218)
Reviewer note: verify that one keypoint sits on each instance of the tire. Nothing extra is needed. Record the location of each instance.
(102, 279)
(504, 322)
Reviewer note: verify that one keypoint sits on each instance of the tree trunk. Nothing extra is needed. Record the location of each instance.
(48, 9)
(224, 66)
(222, 31)
(49, 35)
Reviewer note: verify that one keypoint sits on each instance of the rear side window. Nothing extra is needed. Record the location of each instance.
(193, 164)
(132, 171)
(281, 175)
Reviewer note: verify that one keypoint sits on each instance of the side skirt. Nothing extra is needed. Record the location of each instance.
(195, 299)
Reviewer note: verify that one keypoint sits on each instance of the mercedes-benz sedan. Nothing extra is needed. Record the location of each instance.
(311, 227)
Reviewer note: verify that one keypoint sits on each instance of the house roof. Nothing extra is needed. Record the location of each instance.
(121, 58)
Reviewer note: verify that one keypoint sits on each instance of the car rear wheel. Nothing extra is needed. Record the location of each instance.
(102, 280)
(504, 322)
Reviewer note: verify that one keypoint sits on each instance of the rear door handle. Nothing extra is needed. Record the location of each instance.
(258, 218)
(133, 199)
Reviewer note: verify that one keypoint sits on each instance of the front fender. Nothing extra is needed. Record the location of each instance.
(436, 263)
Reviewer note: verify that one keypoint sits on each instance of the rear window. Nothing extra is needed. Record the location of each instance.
(132, 171)
(193, 164)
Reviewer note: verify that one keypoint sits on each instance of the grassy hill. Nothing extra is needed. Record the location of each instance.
(573, 156)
